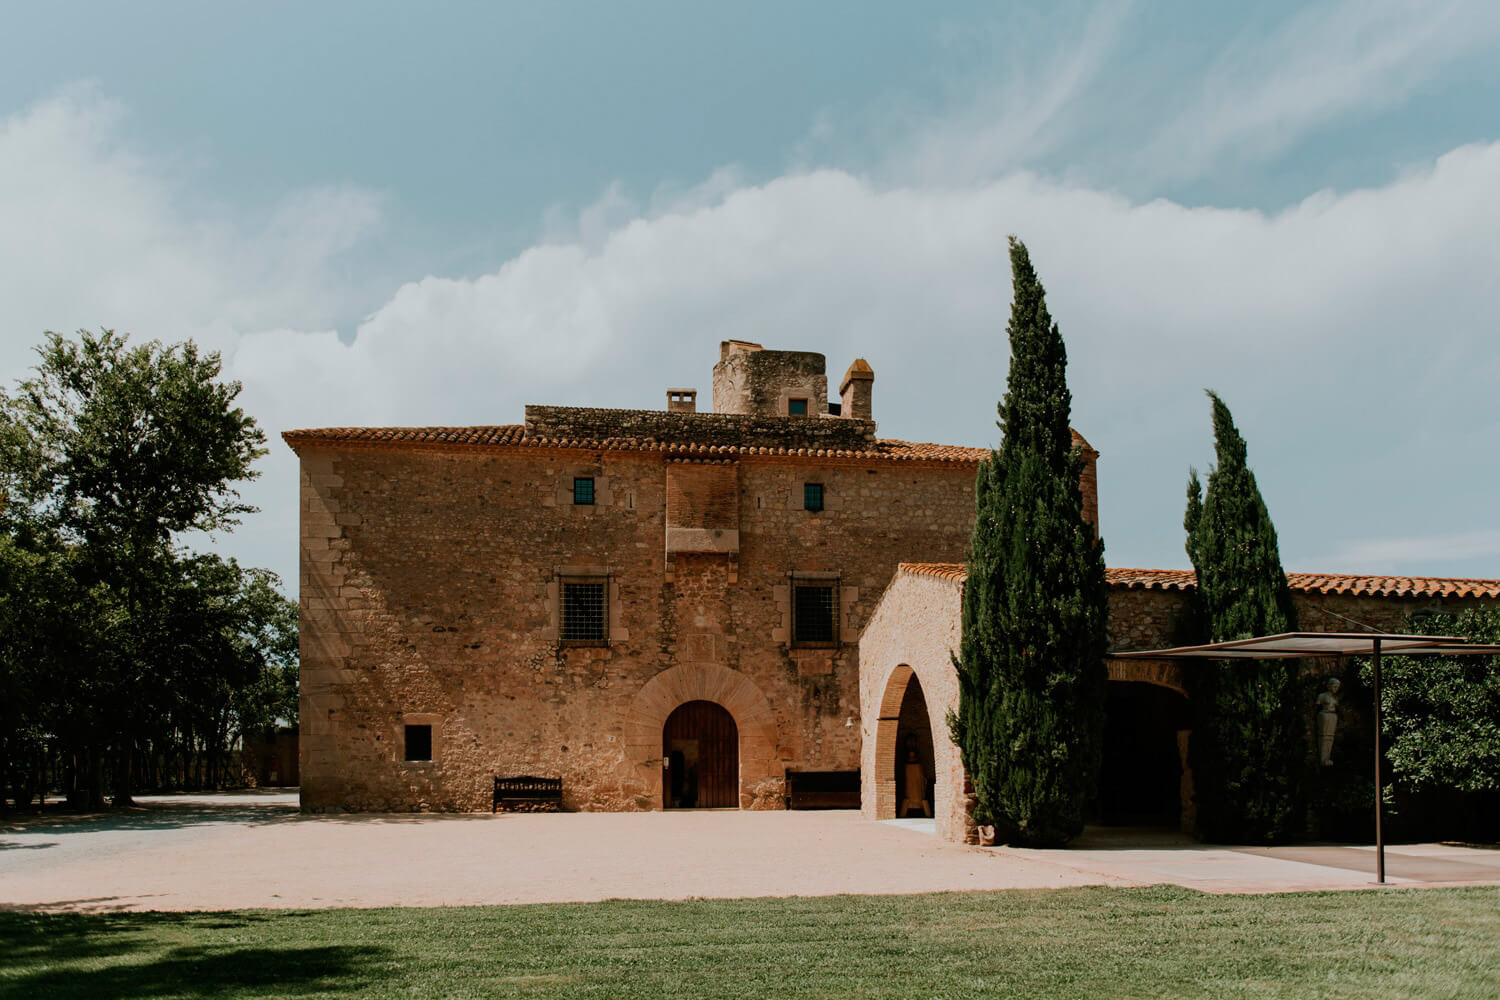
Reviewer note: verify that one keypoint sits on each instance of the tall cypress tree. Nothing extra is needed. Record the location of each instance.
(1031, 659)
(1247, 749)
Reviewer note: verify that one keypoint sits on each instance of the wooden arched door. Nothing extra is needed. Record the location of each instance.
(701, 747)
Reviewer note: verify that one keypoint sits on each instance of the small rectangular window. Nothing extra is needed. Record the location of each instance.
(585, 612)
(583, 491)
(796, 407)
(812, 496)
(418, 742)
(815, 613)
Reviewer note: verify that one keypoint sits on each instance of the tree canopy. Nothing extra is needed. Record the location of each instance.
(1248, 748)
(114, 638)
(1031, 661)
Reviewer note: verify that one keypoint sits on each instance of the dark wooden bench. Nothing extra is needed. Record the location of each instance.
(822, 789)
(528, 790)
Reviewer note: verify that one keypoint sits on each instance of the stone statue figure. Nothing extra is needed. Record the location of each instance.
(1328, 720)
(916, 787)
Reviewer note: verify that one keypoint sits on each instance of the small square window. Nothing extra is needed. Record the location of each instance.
(418, 742)
(585, 612)
(812, 496)
(796, 407)
(815, 614)
(583, 491)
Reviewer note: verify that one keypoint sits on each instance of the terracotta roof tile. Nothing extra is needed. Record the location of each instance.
(514, 435)
(1305, 583)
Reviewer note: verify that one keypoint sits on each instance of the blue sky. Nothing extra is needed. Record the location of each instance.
(436, 213)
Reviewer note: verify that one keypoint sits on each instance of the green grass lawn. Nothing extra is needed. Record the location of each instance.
(1063, 943)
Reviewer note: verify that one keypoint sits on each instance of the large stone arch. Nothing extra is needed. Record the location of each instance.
(891, 694)
(1162, 673)
(728, 688)
(1171, 676)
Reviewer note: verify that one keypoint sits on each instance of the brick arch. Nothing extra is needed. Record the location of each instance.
(886, 722)
(730, 689)
(1162, 673)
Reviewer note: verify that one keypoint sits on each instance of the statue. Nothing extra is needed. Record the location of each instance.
(916, 787)
(1328, 720)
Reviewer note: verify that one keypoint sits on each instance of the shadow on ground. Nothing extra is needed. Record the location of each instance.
(107, 956)
(249, 809)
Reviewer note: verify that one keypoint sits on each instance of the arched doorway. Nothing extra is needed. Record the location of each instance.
(913, 763)
(700, 746)
(1140, 782)
(903, 731)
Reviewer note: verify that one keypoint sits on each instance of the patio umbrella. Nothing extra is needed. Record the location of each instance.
(1300, 645)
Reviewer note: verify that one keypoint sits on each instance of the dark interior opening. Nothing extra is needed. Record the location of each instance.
(1140, 783)
(418, 742)
(914, 747)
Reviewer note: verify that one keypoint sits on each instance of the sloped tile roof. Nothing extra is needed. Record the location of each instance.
(1306, 583)
(514, 435)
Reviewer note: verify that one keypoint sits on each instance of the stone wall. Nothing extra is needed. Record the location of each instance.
(910, 639)
(430, 593)
(587, 423)
(751, 380)
(1153, 619)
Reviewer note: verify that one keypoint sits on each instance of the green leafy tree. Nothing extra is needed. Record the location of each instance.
(117, 451)
(1440, 715)
(1248, 748)
(1031, 661)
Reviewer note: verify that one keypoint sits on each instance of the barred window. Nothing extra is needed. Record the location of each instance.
(815, 613)
(583, 491)
(812, 496)
(585, 611)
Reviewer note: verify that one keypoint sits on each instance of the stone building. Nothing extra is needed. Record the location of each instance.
(908, 683)
(674, 608)
(663, 607)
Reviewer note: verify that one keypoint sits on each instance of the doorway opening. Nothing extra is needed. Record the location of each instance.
(1140, 782)
(700, 750)
(913, 762)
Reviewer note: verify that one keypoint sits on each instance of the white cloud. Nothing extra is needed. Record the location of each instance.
(1025, 108)
(96, 234)
(1332, 328)
(1330, 60)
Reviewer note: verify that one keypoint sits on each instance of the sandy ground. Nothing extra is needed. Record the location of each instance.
(251, 850)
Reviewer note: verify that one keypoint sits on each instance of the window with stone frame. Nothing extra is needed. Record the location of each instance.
(796, 407)
(583, 491)
(418, 743)
(815, 613)
(584, 605)
(812, 496)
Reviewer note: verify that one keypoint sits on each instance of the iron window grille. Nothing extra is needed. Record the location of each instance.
(796, 407)
(419, 743)
(812, 496)
(585, 611)
(815, 614)
(583, 491)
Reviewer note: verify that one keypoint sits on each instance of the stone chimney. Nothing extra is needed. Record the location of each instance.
(682, 400)
(1088, 481)
(856, 390)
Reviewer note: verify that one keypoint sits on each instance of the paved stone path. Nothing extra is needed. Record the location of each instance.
(248, 850)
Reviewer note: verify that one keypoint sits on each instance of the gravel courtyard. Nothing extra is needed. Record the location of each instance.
(253, 850)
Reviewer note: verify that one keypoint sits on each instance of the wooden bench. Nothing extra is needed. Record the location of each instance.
(822, 789)
(528, 790)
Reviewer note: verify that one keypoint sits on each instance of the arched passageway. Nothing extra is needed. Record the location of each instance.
(700, 747)
(904, 758)
(913, 764)
(1141, 781)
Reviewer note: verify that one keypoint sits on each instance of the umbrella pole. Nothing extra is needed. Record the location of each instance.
(1379, 802)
